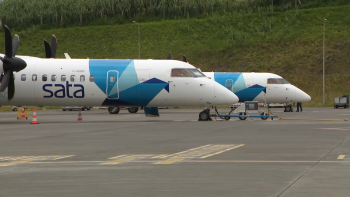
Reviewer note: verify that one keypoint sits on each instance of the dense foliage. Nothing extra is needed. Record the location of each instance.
(61, 13)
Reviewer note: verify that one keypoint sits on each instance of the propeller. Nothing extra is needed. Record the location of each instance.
(10, 64)
(51, 51)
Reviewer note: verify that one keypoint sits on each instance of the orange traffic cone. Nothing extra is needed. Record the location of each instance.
(23, 115)
(34, 121)
(80, 118)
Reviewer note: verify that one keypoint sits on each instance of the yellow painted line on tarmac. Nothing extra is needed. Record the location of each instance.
(261, 161)
(13, 163)
(170, 161)
(221, 151)
(173, 160)
(341, 157)
(114, 162)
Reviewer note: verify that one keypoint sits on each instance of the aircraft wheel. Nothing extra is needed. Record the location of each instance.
(288, 109)
(242, 118)
(133, 109)
(204, 116)
(113, 110)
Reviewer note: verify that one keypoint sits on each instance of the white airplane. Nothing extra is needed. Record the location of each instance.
(260, 87)
(88, 82)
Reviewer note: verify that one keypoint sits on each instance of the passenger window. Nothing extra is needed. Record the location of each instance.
(34, 77)
(72, 78)
(53, 77)
(112, 78)
(180, 73)
(44, 78)
(63, 78)
(23, 77)
(82, 78)
(92, 78)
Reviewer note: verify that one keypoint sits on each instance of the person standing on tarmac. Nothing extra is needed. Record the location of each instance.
(299, 106)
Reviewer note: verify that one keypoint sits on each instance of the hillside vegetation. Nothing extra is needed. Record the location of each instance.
(288, 43)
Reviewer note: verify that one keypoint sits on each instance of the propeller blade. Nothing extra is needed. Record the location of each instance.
(5, 80)
(47, 49)
(170, 56)
(8, 42)
(53, 45)
(11, 88)
(184, 58)
(15, 45)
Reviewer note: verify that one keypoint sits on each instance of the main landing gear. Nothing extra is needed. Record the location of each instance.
(133, 109)
(116, 109)
(205, 115)
(113, 110)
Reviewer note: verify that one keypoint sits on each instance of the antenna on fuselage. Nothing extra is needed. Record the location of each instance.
(170, 56)
(184, 58)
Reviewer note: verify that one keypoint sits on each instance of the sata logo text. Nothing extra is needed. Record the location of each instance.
(63, 91)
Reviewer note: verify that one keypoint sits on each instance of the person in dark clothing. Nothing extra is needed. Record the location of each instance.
(299, 106)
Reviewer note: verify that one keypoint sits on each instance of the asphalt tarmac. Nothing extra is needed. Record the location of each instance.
(174, 155)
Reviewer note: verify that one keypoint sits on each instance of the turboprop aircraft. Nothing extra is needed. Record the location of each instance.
(260, 87)
(97, 82)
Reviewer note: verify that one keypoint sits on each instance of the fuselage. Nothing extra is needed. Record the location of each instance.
(85, 82)
(260, 87)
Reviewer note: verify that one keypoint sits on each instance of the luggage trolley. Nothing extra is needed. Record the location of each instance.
(341, 101)
(247, 109)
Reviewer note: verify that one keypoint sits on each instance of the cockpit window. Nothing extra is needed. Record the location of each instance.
(277, 81)
(283, 81)
(196, 73)
(180, 73)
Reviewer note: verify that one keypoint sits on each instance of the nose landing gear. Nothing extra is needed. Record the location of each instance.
(205, 115)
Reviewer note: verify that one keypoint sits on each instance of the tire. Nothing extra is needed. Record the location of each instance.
(264, 114)
(113, 110)
(242, 118)
(63, 110)
(133, 109)
(203, 116)
(336, 106)
(288, 109)
(227, 118)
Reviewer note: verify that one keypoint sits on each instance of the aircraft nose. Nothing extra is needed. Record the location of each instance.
(301, 96)
(223, 96)
(231, 98)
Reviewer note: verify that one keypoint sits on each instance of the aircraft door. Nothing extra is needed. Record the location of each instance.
(229, 84)
(112, 89)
